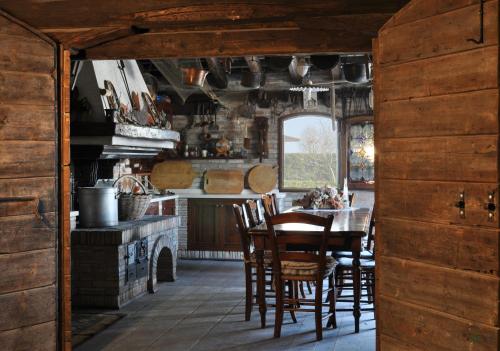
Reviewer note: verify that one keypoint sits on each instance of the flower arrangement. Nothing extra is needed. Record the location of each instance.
(325, 197)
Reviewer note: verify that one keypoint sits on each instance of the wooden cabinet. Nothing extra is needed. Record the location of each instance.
(212, 226)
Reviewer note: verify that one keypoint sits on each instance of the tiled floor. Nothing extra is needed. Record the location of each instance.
(203, 311)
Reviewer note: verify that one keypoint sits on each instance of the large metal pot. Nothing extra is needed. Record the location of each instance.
(98, 206)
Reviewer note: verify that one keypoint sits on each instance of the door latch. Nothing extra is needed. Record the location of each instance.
(461, 204)
(490, 206)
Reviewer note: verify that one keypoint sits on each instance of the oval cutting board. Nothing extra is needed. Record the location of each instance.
(263, 178)
(218, 181)
(173, 175)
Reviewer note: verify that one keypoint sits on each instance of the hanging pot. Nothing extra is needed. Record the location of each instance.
(194, 77)
(355, 72)
(252, 80)
(325, 62)
(278, 63)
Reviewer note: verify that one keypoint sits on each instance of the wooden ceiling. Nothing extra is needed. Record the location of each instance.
(181, 28)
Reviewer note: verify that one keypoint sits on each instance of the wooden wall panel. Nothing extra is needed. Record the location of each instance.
(37, 337)
(442, 289)
(417, 10)
(437, 126)
(467, 158)
(460, 247)
(454, 26)
(26, 308)
(23, 159)
(431, 330)
(461, 72)
(14, 85)
(27, 122)
(434, 201)
(27, 232)
(28, 226)
(477, 112)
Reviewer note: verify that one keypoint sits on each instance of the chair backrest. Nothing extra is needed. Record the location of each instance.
(254, 211)
(351, 199)
(371, 232)
(270, 204)
(243, 225)
(307, 242)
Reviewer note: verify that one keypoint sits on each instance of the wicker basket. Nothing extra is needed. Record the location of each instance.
(133, 206)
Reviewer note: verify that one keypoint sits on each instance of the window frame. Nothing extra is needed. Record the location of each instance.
(281, 154)
(345, 137)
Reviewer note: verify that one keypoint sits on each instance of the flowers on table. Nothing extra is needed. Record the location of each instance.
(325, 197)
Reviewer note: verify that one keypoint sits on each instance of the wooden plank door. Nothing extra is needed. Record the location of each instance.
(28, 194)
(436, 120)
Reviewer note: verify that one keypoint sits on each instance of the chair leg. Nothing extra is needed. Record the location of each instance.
(318, 307)
(278, 319)
(248, 292)
(302, 293)
(309, 287)
(332, 321)
(291, 295)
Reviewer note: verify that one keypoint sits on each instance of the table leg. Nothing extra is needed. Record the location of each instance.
(261, 286)
(356, 273)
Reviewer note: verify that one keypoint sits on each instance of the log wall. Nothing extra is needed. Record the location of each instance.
(437, 132)
(28, 200)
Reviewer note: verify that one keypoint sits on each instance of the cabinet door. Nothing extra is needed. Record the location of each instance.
(202, 231)
(229, 235)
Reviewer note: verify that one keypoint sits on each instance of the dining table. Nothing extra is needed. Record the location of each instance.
(349, 227)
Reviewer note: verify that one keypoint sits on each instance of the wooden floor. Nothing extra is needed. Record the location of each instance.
(203, 311)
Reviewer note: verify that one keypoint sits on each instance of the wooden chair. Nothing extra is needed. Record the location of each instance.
(250, 263)
(292, 267)
(270, 204)
(343, 273)
(254, 211)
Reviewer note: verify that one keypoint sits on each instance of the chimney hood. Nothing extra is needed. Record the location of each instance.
(115, 141)
(97, 134)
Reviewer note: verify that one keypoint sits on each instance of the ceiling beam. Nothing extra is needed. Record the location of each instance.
(336, 35)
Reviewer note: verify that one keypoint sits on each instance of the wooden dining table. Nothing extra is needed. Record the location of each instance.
(349, 227)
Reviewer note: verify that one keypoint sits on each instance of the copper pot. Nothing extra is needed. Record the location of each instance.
(194, 77)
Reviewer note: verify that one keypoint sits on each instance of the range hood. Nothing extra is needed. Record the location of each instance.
(115, 141)
(93, 134)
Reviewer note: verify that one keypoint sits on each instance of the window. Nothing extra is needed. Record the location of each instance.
(309, 152)
(360, 154)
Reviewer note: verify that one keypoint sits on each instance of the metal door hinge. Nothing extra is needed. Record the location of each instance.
(490, 206)
(461, 204)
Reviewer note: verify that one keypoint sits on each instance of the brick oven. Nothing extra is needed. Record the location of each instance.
(111, 266)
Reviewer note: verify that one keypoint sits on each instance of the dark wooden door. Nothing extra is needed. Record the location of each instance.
(202, 224)
(229, 235)
(28, 179)
(436, 125)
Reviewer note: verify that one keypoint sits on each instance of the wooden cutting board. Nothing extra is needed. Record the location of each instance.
(263, 178)
(218, 181)
(173, 175)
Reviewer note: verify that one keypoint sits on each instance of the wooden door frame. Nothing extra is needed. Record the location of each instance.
(64, 188)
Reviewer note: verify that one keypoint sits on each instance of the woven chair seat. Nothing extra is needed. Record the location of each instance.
(306, 268)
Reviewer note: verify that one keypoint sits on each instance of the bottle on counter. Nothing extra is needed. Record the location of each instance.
(345, 194)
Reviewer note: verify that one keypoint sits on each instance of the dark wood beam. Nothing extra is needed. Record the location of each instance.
(334, 34)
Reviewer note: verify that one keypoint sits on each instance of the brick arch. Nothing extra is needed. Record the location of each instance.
(163, 261)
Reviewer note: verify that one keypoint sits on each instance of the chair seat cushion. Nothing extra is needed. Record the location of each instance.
(306, 268)
(364, 263)
(364, 254)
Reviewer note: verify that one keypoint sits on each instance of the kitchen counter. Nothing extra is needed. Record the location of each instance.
(158, 198)
(200, 194)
